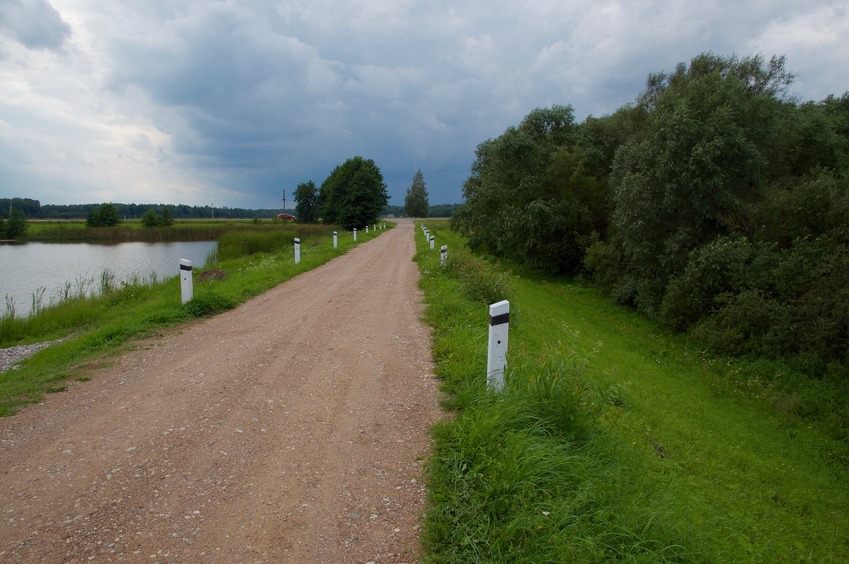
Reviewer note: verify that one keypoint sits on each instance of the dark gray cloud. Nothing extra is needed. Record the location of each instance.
(237, 100)
(35, 24)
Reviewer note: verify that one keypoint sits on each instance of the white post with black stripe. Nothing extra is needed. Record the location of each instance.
(496, 360)
(297, 251)
(186, 290)
(355, 233)
(431, 242)
(366, 228)
(443, 255)
(335, 240)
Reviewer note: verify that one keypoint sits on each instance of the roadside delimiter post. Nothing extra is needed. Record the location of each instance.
(443, 255)
(355, 233)
(335, 240)
(496, 360)
(431, 242)
(186, 291)
(297, 250)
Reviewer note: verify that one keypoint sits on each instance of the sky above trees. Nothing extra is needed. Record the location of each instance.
(229, 103)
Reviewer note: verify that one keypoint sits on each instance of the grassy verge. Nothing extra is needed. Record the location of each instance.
(613, 440)
(95, 328)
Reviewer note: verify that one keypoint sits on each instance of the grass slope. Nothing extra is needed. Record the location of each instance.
(614, 440)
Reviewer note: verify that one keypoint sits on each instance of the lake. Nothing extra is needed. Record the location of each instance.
(54, 269)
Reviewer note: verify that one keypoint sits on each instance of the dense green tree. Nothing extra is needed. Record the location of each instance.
(106, 215)
(716, 204)
(308, 205)
(16, 226)
(150, 218)
(539, 191)
(354, 194)
(167, 217)
(416, 201)
(688, 178)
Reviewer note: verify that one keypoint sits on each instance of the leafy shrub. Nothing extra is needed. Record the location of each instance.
(715, 269)
(745, 323)
(480, 281)
(550, 235)
(106, 215)
(208, 303)
(603, 263)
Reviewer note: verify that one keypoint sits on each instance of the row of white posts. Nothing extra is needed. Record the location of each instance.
(499, 320)
(187, 291)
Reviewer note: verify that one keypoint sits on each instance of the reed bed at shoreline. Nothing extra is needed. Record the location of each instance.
(182, 230)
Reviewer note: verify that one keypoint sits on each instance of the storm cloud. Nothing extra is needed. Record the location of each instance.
(232, 102)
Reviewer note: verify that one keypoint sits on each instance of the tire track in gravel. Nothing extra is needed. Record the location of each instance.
(290, 429)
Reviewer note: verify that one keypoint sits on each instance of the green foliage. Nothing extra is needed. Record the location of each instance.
(308, 205)
(208, 303)
(153, 219)
(416, 200)
(479, 281)
(539, 191)
(354, 194)
(104, 216)
(714, 204)
(15, 227)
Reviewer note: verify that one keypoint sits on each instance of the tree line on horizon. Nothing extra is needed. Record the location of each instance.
(33, 209)
(715, 204)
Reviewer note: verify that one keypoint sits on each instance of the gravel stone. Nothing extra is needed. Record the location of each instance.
(328, 376)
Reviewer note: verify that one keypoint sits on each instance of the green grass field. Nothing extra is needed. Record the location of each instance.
(614, 440)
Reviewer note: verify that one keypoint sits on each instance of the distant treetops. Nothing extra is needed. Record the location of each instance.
(352, 196)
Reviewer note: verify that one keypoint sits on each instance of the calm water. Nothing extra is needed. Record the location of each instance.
(32, 267)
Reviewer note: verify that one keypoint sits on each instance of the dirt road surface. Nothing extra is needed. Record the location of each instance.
(291, 429)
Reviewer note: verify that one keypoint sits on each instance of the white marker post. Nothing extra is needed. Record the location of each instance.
(355, 233)
(186, 291)
(297, 251)
(366, 228)
(335, 240)
(496, 360)
(431, 242)
(443, 255)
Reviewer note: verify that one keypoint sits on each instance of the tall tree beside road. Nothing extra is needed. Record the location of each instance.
(354, 194)
(416, 201)
(308, 207)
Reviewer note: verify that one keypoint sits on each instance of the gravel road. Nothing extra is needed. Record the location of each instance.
(291, 429)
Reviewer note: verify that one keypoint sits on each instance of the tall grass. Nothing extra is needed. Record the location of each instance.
(611, 442)
(182, 230)
(235, 244)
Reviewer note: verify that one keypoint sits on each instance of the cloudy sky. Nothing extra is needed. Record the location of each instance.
(232, 102)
